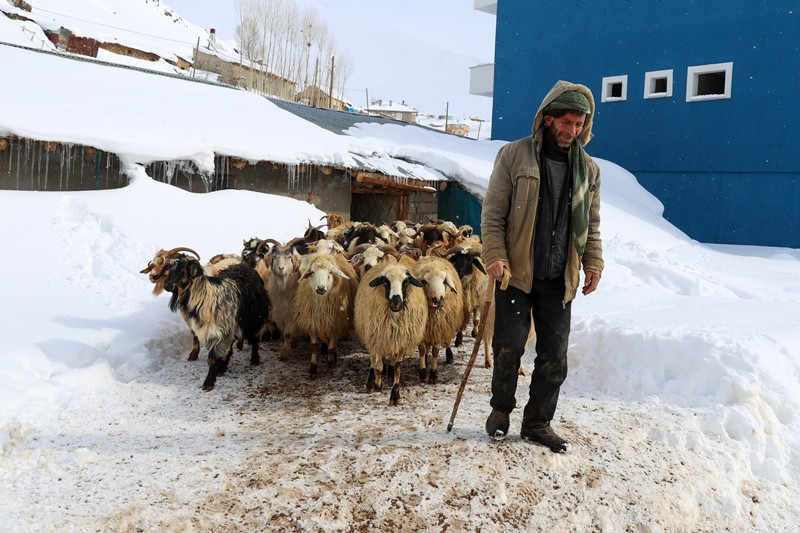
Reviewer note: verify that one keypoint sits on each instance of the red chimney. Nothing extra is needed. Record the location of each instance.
(213, 33)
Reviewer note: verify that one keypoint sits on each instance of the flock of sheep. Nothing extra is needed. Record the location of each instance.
(401, 286)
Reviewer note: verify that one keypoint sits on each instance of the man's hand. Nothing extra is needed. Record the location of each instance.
(591, 282)
(495, 270)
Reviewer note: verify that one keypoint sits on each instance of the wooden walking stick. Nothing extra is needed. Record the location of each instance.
(478, 339)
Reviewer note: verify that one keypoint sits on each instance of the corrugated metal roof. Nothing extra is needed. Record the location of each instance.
(340, 121)
(332, 120)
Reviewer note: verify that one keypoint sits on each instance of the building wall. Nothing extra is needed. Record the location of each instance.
(744, 142)
(422, 206)
(243, 76)
(330, 192)
(29, 165)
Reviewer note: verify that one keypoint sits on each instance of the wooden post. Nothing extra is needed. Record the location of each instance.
(367, 89)
(446, 115)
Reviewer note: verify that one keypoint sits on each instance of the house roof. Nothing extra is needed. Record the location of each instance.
(332, 120)
(339, 122)
(396, 107)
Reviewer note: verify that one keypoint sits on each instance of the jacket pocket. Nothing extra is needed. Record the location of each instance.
(524, 204)
(526, 189)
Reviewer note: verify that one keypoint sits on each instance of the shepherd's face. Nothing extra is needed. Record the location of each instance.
(565, 128)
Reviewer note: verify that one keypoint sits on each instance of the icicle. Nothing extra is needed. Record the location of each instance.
(61, 169)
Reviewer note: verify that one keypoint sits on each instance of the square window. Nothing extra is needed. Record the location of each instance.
(709, 82)
(658, 84)
(615, 88)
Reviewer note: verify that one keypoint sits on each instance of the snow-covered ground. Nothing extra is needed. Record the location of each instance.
(681, 404)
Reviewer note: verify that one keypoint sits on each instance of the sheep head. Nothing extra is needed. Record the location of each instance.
(395, 279)
(181, 271)
(158, 266)
(320, 271)
(464, 260)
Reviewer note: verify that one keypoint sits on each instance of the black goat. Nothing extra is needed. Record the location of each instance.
(218, 308)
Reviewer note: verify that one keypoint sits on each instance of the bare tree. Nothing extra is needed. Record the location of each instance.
(281, 40)
(247, 29)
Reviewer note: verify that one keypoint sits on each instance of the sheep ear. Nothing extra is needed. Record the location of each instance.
(414, 281)
(478, 264)
(338, 272)
(377, 281)
(449, 281)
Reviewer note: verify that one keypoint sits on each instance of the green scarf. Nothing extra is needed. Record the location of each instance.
(580, 196)
(577, 101)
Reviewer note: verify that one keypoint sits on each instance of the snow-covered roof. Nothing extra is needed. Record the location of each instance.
(391, 106)
(144, 117)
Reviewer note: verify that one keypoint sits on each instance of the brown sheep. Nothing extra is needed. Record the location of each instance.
(390, 322)
(445, 312)
(323, 303)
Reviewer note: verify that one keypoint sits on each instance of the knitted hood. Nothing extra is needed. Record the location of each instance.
(559, 88)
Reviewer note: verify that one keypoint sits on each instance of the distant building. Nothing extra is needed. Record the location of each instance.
(66, 41)
(458, 129)
(319, 97)
(395, 110)
(245, 75)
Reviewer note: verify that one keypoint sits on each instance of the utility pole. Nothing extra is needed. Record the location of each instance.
(367, 89)
(330, 94)
(315, 89)
(446, 115)
(196, 53)
(308, 51)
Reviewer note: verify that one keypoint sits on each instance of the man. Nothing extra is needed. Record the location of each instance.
(541, 218)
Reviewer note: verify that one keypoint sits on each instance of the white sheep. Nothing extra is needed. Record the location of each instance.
(445, 312)
(323, 302)
(390, 322)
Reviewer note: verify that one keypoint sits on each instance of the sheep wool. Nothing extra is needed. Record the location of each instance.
(387, 333)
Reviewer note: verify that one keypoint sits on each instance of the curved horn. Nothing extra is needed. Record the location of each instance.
(260, 245)
(434, 251)
(293, 242)
(182, 249)
(387, 249)
(454, 250)
(456, 234)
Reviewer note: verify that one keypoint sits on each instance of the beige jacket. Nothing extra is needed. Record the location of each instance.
(509, 208)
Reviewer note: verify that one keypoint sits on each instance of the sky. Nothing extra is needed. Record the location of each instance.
(681, 405)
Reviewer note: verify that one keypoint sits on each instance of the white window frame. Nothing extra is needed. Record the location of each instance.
(649, 80)
(693, 73)
(608, 81)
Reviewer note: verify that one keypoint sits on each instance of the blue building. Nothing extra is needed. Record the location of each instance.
(699, 99)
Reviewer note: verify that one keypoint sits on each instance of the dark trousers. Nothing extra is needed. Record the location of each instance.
(551, 321)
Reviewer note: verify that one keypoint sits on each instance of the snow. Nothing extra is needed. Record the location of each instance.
(681, 404)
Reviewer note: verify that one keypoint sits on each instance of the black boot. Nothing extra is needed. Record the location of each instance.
(546, 437)
(497, 424)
